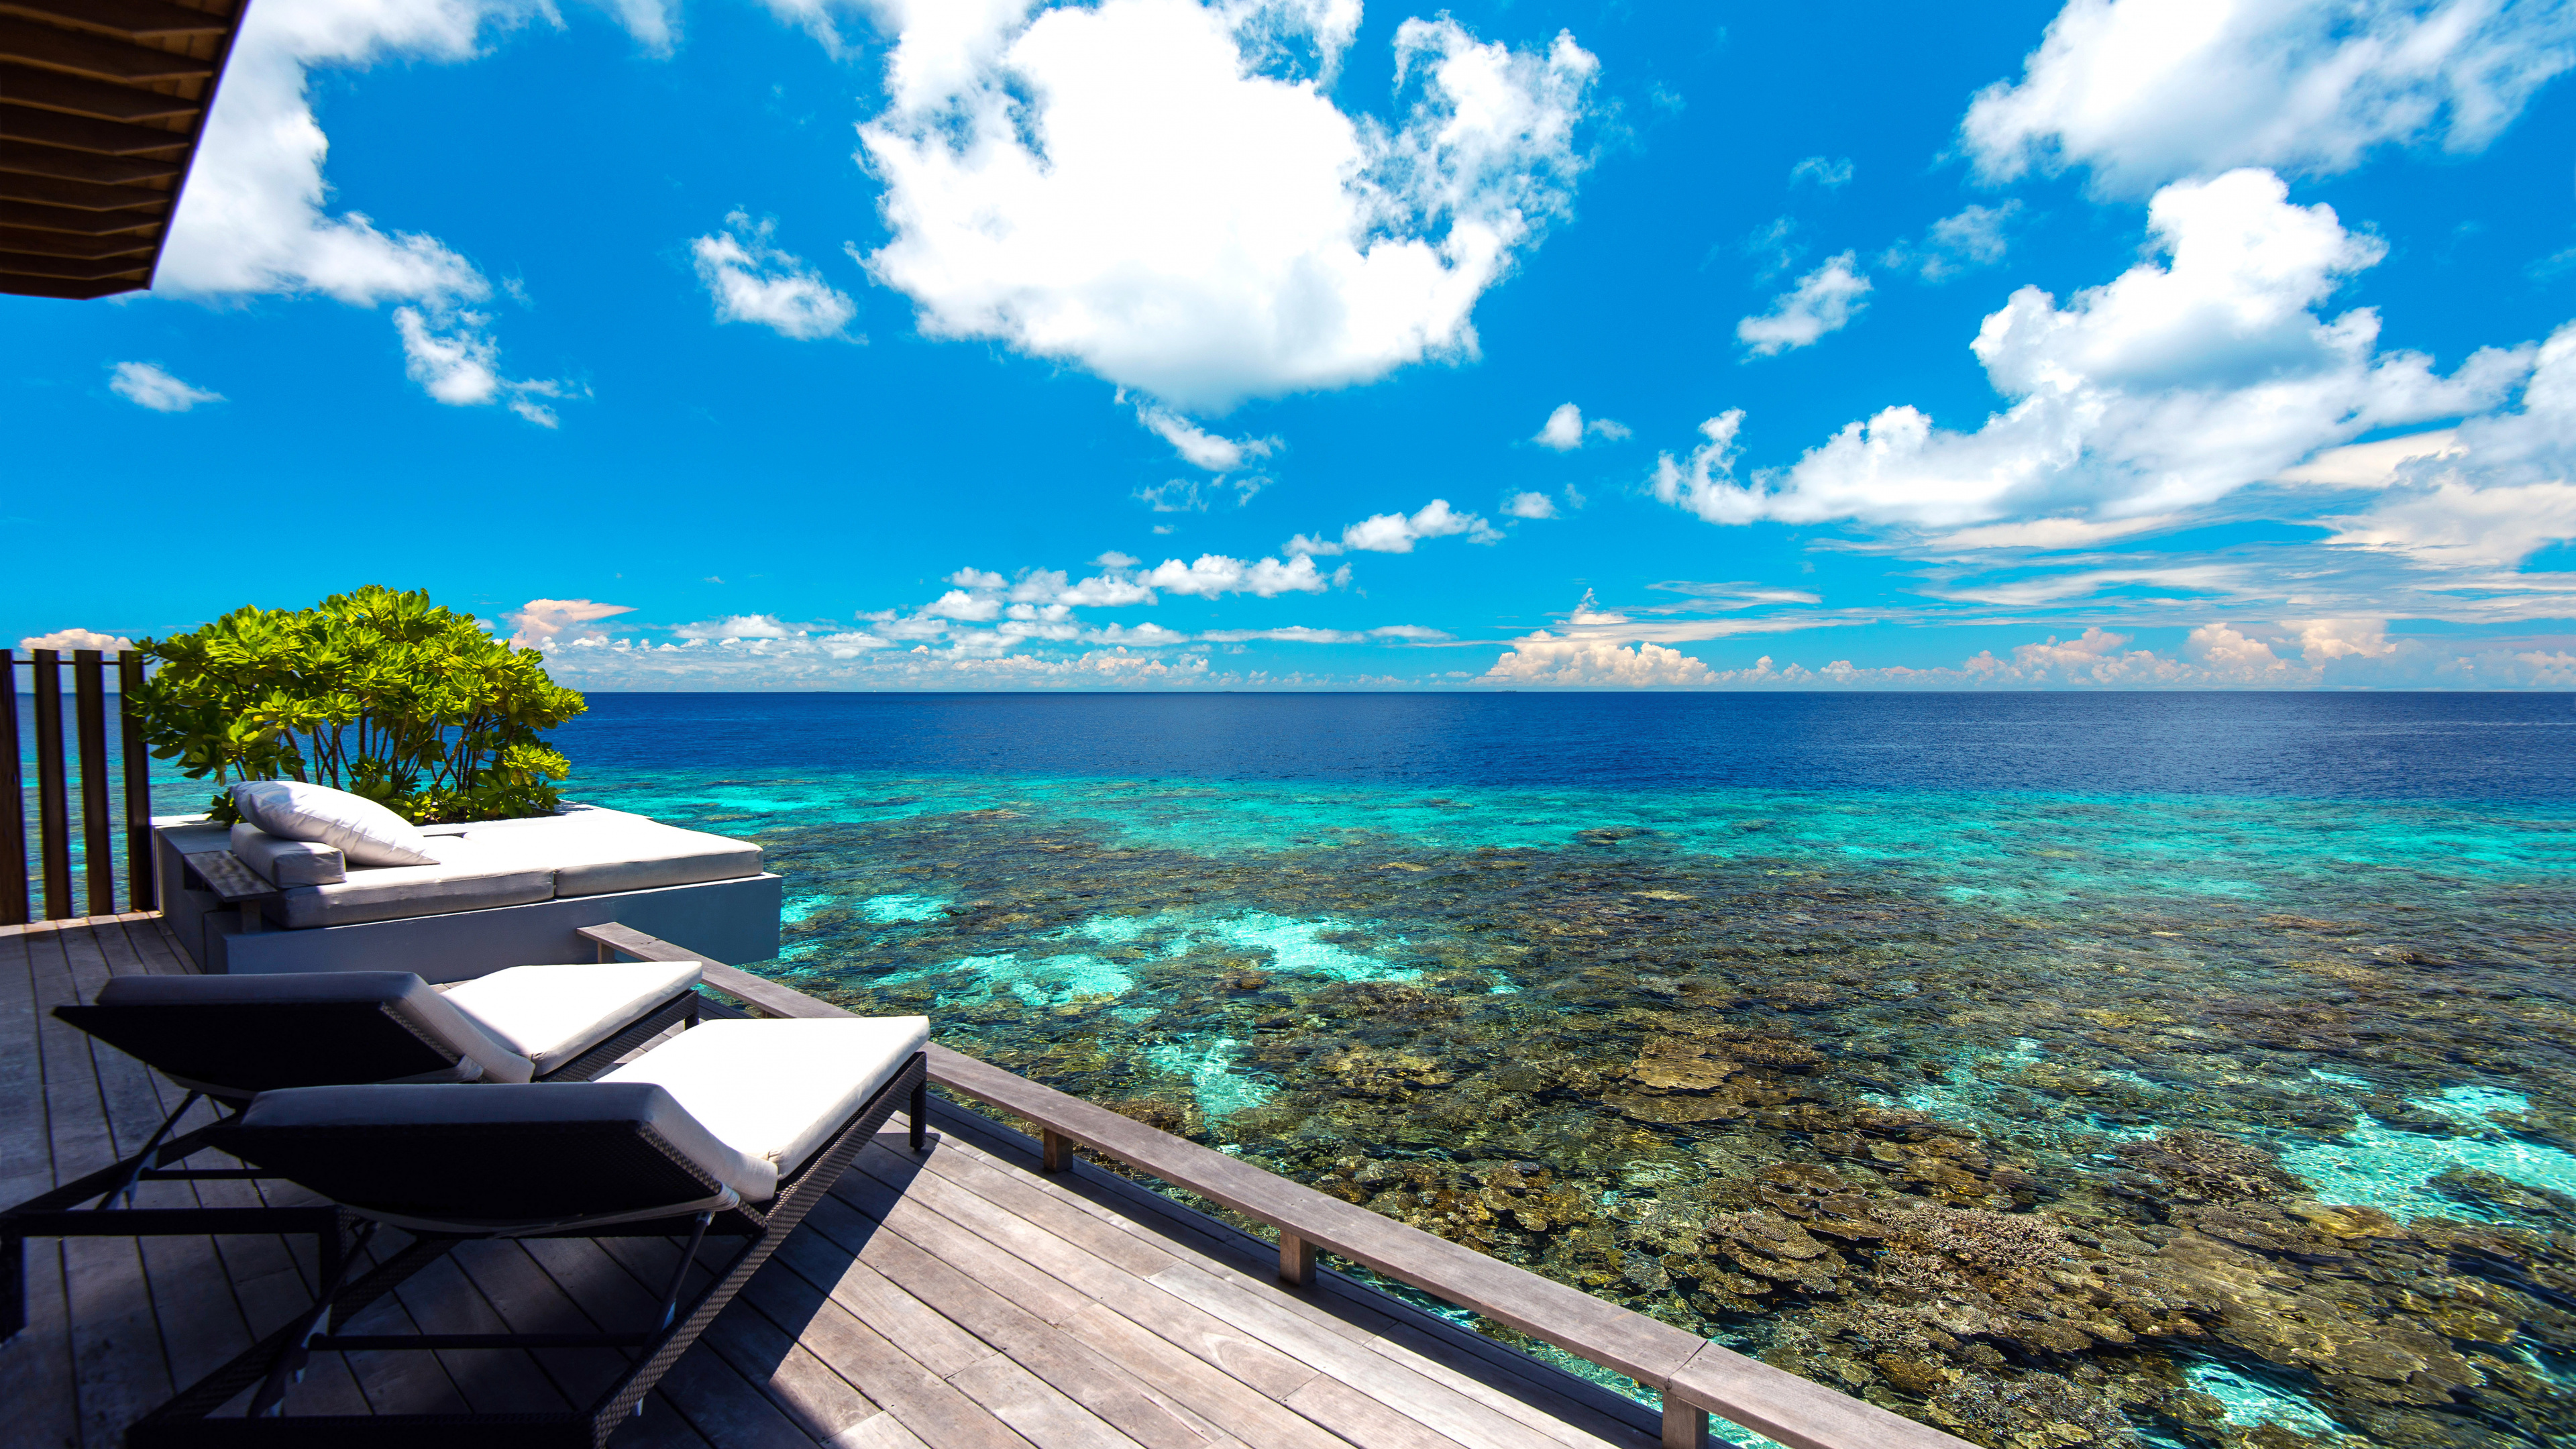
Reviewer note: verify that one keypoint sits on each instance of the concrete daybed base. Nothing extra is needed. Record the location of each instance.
(511, 892)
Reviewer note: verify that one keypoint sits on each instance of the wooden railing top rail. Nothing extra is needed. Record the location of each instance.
(1696, 1377)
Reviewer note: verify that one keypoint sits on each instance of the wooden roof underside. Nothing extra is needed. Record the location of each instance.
(101, 105)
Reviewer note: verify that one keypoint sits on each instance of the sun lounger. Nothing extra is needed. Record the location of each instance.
(734, 1129)
(229, 1038)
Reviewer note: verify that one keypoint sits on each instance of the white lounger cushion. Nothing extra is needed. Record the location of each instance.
(427, 1013)
(594, 852)
(773, 1091)
(551, 1014)
(287, 862)
(364, 831)
(469, 877)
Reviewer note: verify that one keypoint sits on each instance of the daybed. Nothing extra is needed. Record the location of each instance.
(502, 893)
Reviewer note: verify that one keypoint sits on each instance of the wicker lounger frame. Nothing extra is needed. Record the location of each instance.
(87, 1207)
(184, 1422)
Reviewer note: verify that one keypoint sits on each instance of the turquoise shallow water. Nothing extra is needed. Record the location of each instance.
(2192, 1119)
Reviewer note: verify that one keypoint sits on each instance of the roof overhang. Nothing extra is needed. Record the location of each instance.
(101, 106)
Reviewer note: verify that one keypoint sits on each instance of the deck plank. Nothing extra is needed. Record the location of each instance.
(1056, 1356)
(118, 1364)
(1571, 1411)
(36, 1377)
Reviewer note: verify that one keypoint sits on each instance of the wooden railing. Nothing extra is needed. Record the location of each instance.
(47, 893)
(1695, 1376)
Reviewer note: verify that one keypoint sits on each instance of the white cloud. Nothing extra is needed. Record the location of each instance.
(460, 365)
(1974, 237)
(1825, 300)
(1212, 575)
(1197, 445)
(1530, 505)
(2146, 91)
(1544, 659)
(538, 622)
(147, 385)
(254, 220)
(1398, 533)
(1109, 590)
(751, 280)
(1827, 172)
(65, 640)
(1161, 192)
(2165, 389)
(740, 626)
(1565, 429)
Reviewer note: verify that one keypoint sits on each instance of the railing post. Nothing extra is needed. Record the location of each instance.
(14, 904)
(1685, 1425)
(98, 838)
(1296, 1260)
(53, 809)
(141, 890)
(1055, 1151)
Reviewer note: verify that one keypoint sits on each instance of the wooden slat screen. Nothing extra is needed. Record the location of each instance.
(46, 892)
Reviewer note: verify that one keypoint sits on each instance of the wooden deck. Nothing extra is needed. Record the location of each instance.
(959, 1299)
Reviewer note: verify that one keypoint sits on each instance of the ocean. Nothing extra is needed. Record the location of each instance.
(2189, 1069)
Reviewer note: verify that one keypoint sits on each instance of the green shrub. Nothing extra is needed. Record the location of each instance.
(380, 693)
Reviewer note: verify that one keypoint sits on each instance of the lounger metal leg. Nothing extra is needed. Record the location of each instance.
(271, 1397)
(920, 1115)
(680, 1274)
(145, 1158)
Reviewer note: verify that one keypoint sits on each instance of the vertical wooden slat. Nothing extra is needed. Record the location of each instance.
(98, 836)
(141, 893)
(53, 810)
(13, 802)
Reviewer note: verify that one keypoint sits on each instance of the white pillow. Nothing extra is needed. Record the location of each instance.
(363, 831)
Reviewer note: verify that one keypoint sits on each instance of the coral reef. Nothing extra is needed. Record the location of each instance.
(2047, 1168)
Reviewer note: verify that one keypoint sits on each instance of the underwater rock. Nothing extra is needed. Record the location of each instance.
(2030, 1411)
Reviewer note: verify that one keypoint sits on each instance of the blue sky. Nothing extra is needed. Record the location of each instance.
(933, 344)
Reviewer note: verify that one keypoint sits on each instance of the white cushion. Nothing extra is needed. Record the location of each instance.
(364, 831)
(286, 862)
(466, 879)
(551, 1014)
(594, 852)
(774, 1091)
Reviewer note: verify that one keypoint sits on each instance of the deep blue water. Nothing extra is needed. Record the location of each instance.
(2514, 748)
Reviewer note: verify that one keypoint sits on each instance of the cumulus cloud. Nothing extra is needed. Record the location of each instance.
(1825, 300)
(255, 219)
(1544, 659)
(145, 384)
(541, 623)
(65, 640)
(1530, 505)
(2145, 92)
(2171, 386)
(1212, 575)
(1975, 237)
(1565, 429)
(750, 279)
(1164, 193)
(1399, 532)
(1830, 173)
